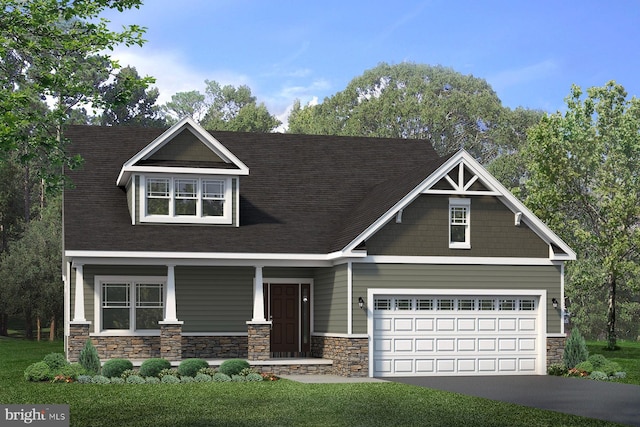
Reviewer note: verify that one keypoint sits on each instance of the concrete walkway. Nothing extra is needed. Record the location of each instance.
(602, 400)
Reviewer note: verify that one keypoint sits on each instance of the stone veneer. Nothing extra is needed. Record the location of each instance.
(171, 341)
(78, 335)
(258, 341)
(350, 355)
(555, 349)
(214, 347)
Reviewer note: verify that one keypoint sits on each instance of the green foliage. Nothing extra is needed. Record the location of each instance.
(597, 360)
(598, 376)
(219, 377)
(584, 175)
(585, 366)
(557, 369)
(575, 349)
(55, 361)
(117, 380)
(170, 371)
(233, 366)
(190, 367)
(203, 378)
(89, 358)
(38, 371)
(73, 371)
(100, 379)
(84, 379)
(152, 367)
(135, 379)
(170, 379)
(186, 380)
(254, 377)
(115, 367)
(129, 373)
(152, 380)
(208, 371)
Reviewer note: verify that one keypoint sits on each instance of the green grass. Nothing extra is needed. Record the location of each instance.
(280, 403)
(628, 356)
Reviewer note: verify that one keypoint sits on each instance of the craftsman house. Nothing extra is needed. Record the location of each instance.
(353, 256)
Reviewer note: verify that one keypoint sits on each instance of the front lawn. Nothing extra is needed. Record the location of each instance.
(279, 403)
(628, 356)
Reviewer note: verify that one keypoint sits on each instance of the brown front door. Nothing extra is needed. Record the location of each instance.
(288, 306)
(285, 317)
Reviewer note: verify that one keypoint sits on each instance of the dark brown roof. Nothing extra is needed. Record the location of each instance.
(305, 194)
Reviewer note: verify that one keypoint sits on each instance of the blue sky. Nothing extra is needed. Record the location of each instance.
(529, 51)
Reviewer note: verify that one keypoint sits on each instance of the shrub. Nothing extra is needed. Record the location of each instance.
(38, 371)
(190, 367)
(221, 378)
(152, 367)
(247, 371)
(208, 371)
(84, 379)
(254, 377)
(557, 369)
(170, 379)
(170, 371)
(202, 378)
(186, 380)
(55, 361)
(610, 368)
(585, 366)
(73, 371)
(100, 379)
(598, 376)
(575, 350)
(135, 379)
(89, 358)
(597, 360)
(152, 380)
(233, 366)
(128, 373)
(238, 379)
(117, 380)
(115, 367)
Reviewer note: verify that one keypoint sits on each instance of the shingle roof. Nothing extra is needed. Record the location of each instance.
(305, 194)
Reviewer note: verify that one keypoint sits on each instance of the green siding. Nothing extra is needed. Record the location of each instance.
(405, 276)
(424, 231)
(185, 147)
(330, 300)
(214, 299)
(287, 273)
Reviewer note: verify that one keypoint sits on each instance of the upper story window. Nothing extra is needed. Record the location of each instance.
(186, 199)
(459, 223)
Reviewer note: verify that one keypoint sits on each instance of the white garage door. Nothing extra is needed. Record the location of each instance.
(456, 335)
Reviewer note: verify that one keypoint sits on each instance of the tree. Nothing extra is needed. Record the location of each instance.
(44, 49)
(222, 108)
(30, 271)
(408, 100)
(585, 183)
(129, 101)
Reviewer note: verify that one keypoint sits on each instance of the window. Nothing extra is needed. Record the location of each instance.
(424, 304)
(487, 304)
(382, 304)
(459, 221)
(445, 304)
(186, 200)
(466, 304)
(404, 304)
(527, 304)
(507, 304)
(130, 305)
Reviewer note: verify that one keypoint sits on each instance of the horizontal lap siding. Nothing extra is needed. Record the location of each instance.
(330, 300)
(214, 299)
(410, 276)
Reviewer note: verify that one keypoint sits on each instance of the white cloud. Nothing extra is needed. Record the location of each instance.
(172, 72)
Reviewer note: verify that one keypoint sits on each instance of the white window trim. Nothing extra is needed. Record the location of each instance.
(226, 217)
(463, 203)
(132, 280)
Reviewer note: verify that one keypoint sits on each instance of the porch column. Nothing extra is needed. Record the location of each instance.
(78, 308)
(258, 296)
(170, 310)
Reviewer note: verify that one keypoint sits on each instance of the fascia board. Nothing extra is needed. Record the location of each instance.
(496, 187)
(204, 136)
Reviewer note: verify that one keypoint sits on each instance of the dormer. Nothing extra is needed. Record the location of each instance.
(185, 176)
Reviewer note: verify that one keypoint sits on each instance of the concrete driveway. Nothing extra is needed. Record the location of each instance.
(594, 399)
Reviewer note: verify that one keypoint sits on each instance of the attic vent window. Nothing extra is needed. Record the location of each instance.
(459, 223)
(186, 200)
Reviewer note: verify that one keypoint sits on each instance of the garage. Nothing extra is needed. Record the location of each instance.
(460, 334)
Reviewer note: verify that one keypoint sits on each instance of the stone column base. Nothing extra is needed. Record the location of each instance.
(78, 336)
(259, 340)
(171, 340)
(555, 350)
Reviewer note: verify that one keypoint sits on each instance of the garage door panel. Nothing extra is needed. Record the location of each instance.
(458, 341)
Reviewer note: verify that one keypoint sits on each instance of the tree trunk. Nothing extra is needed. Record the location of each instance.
(38, 328)
(28, 324)
(52, 329)
(4, 324)
(611, 312)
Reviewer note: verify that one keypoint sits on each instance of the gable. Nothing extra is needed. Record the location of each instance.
(185, 147)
